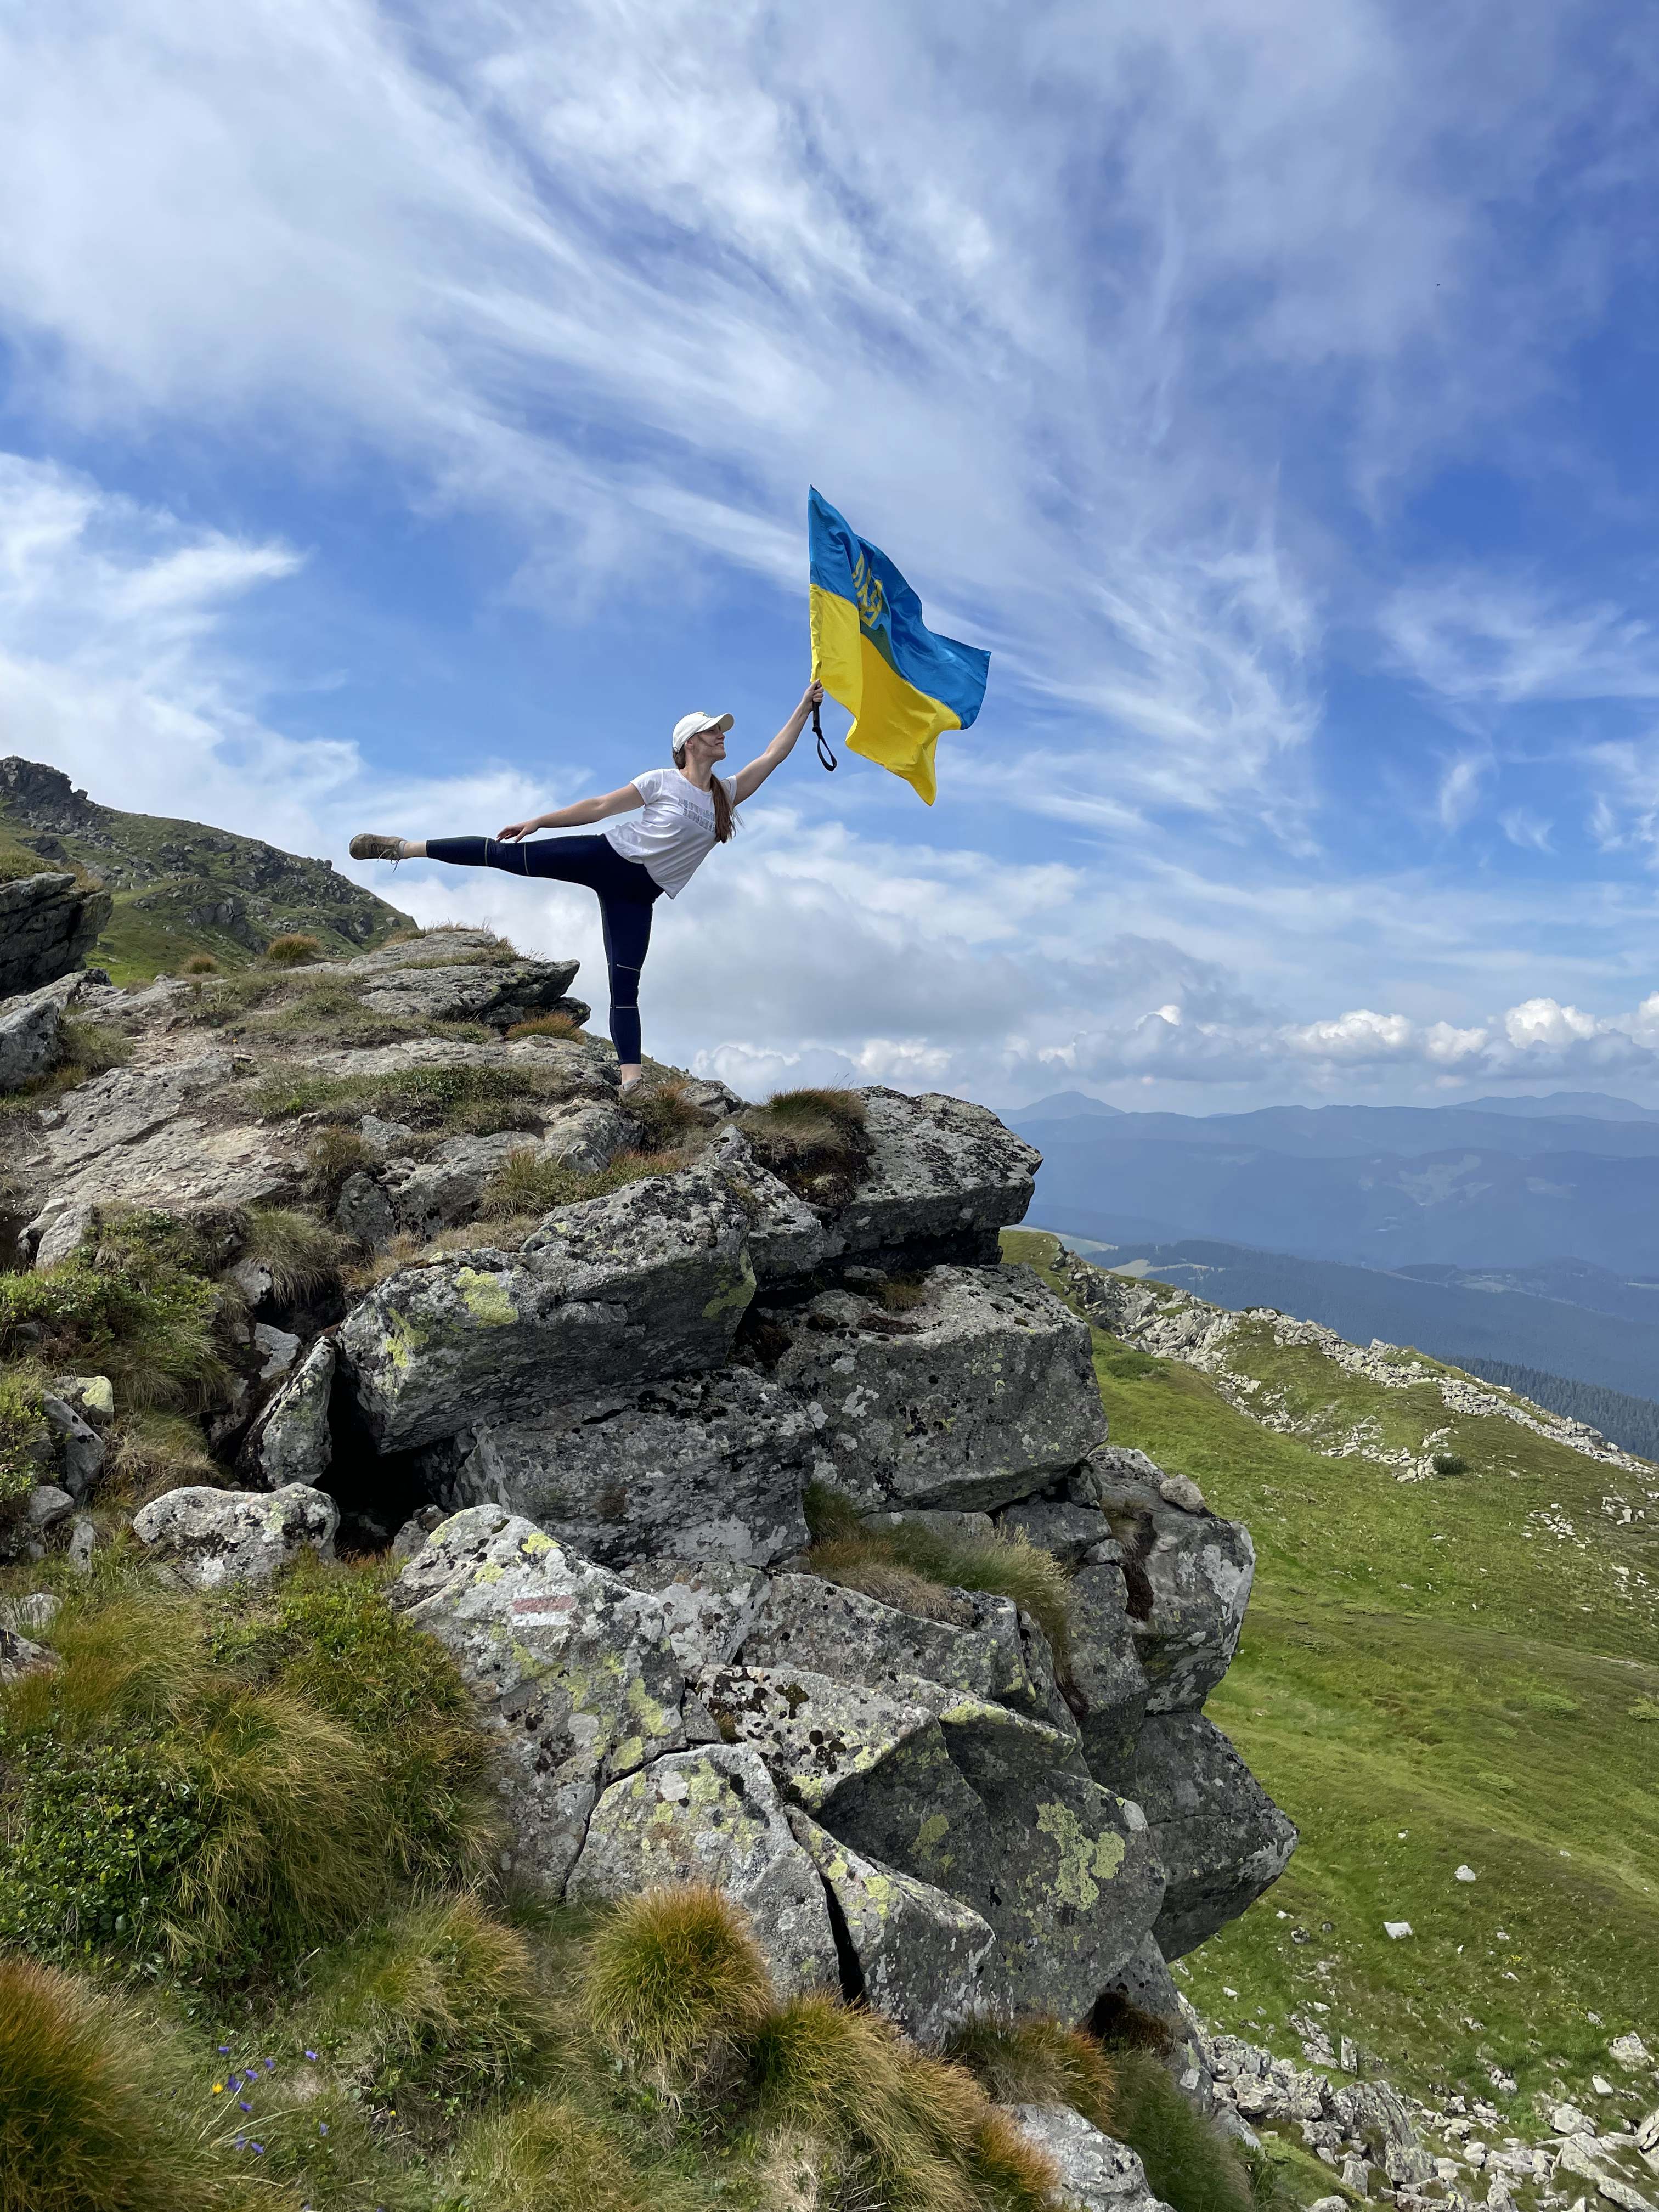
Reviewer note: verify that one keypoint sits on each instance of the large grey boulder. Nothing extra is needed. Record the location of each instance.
(941, 1173)
(980, 1394)
(291, 1440)
(709, 1466)
(210, 1538)
(649, 1281)
(1188, 1577)
(912, 1952)
(30, 1030)
(569, 1667)
(47, 926)
(1096, 2172)
(714, 1815)
(1221, 1838)
(992, 1653)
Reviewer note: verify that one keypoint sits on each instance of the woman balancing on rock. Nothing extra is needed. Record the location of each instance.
(683, 811)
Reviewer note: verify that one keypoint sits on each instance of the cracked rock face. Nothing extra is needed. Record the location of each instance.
(47, 926)
(210, 1538)
(291, 1440)
(715, 1815)
(921, 1957)
(708, 1467)
(458, 976)
(1221, 1838)
(980, 1394)
(569, 1666)
(649, 1281)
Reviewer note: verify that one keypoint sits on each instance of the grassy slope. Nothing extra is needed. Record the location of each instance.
(185, 868)
(1436, 1659)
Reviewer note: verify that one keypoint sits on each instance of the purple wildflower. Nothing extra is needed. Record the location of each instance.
(311, 2054)
(259, 2150)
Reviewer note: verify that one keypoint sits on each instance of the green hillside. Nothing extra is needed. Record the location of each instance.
(179, 887)
(1457, 1672)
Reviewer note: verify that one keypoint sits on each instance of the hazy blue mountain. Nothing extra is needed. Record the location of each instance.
(1596, 1105)
(1062, 1106)
(1445, 1318)
(1468, 1206)
(1355, 1132)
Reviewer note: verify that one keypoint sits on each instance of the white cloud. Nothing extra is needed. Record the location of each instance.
(631, 274)
(1485, 641)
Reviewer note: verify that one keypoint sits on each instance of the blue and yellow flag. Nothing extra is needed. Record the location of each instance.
(900, 682)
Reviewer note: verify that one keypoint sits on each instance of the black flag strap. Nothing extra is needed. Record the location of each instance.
(826, 758)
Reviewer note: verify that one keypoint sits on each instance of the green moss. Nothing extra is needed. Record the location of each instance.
(21, 1427)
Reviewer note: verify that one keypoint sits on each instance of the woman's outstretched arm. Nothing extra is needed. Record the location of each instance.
(750, 779)
(577, 816)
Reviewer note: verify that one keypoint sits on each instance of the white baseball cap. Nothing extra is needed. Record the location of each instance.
(688, 725)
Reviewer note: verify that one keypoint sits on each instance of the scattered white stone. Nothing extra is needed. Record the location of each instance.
(1568, 2120)
(1601, 2086)
(1628, 2049)
(1396, 1929)
(1464, 1874)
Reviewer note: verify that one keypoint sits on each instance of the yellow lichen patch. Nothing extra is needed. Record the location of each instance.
(1083, 1863)
(533, 1545)
(484, 1298)
(736, 1297)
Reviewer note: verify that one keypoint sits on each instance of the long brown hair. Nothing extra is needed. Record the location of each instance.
(726, 821)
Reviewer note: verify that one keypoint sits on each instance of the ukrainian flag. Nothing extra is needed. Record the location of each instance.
(900, 682)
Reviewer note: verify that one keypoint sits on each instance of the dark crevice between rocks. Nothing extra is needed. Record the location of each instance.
(1121, 2024)
(1138, 1587)
(376, 1492)
(852, 1973)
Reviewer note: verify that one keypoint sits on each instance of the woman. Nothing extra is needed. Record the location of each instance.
(685, 812)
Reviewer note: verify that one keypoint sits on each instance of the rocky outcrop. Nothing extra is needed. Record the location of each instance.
(48, 924)
(597, 1433)
(464, 975)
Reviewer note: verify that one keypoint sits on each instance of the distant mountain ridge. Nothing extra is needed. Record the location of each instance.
(1591, 1345)
(180, 887)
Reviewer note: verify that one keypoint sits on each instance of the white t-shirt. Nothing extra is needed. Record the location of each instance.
(675, 834)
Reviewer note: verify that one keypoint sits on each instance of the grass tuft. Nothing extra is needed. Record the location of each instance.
(670, 1979)
(1038, 2062)
(445, 1993)
(151, 1335)
(156, 1452)
(529, 1185)
(547, 2155)
(293, 949)
(303, 1257)
(84, 2104)
(200, 964)
(334, 1155)
(813, 1139)
(21, 1426)
(916, 1568)
(547, 1025)
(1189, 2162)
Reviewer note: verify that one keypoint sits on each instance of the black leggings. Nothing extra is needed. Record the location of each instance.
(625, 888)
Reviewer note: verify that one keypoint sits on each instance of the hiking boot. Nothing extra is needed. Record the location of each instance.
(366, 846)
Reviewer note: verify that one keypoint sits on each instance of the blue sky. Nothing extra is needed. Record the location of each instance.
(407, 414)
